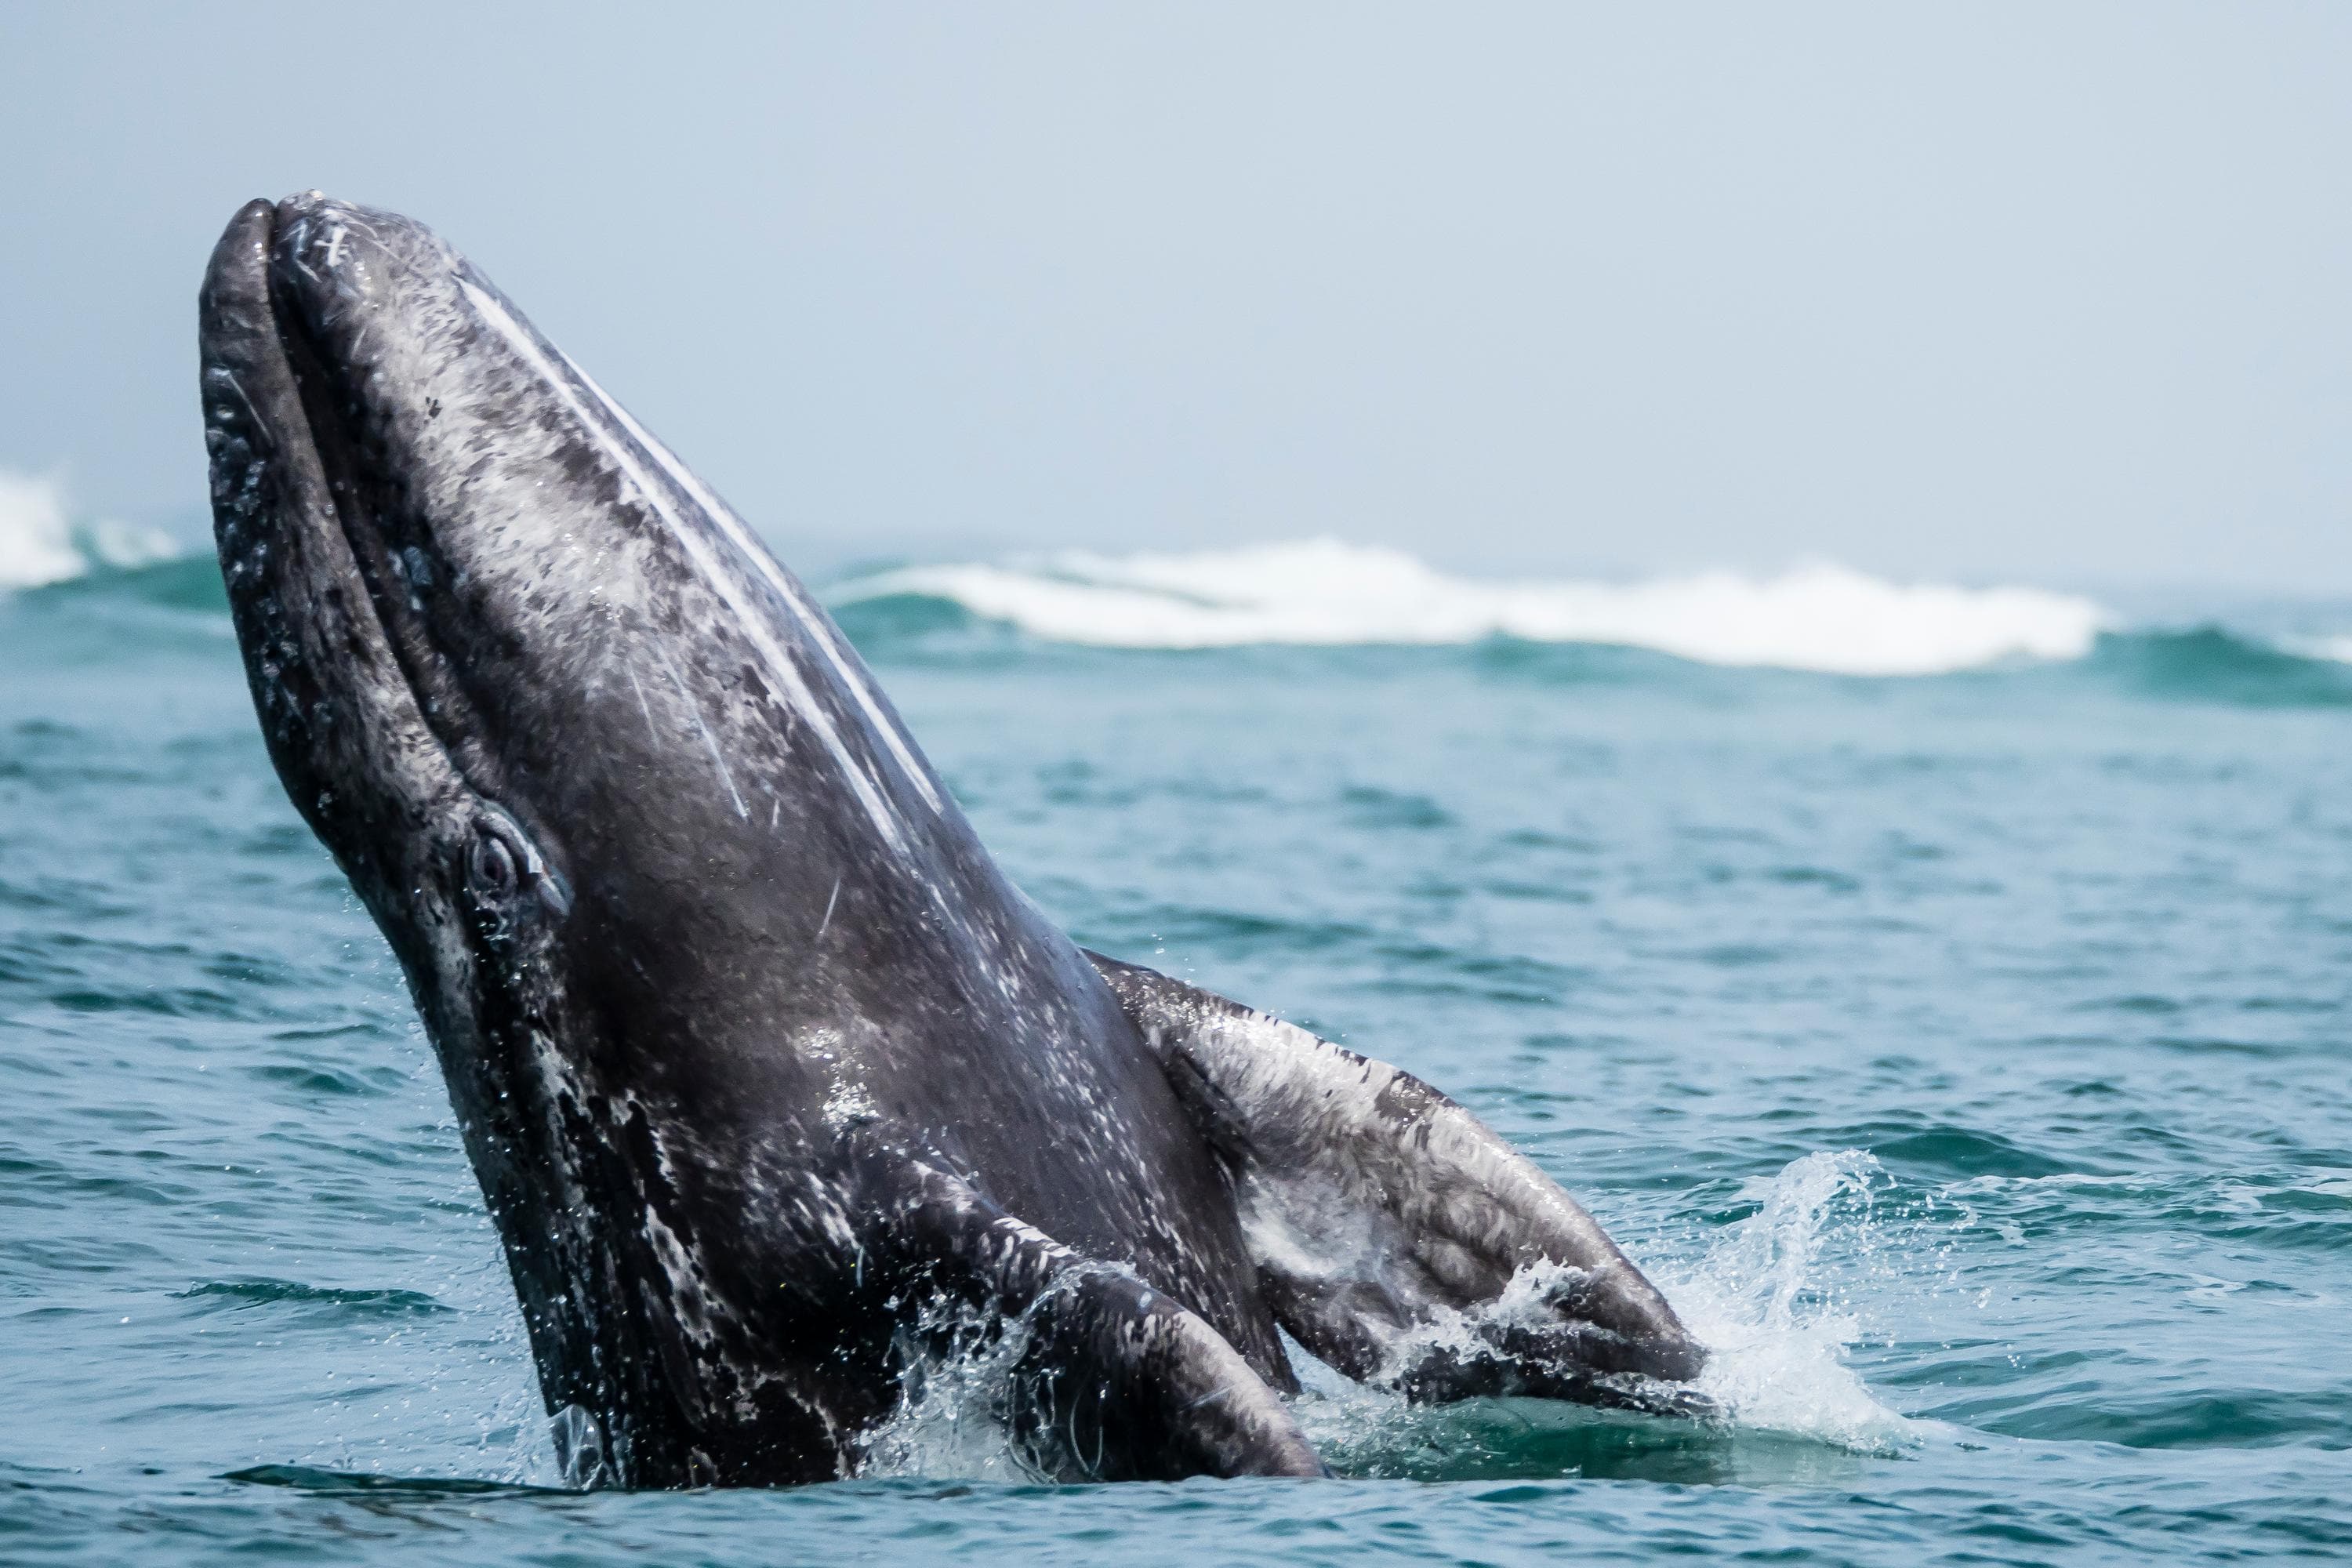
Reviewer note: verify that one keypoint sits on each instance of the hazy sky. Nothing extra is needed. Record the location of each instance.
(2046, 291)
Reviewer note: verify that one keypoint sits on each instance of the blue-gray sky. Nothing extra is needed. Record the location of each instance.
(2055, 293)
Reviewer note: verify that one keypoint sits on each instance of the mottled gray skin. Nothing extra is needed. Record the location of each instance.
(752, 1045)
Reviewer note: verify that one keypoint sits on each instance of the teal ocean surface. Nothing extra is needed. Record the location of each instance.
(1945, 997)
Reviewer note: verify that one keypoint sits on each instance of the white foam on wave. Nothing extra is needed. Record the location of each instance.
(1818, 617)
(40, 543)
(2337, 649)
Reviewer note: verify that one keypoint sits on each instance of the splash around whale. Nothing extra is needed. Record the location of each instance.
(774, 1085)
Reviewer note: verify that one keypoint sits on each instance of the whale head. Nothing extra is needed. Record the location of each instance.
(530, 682)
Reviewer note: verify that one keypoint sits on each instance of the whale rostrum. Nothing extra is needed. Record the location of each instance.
(774, 1084)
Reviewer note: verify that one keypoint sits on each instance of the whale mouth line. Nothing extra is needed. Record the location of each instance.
(364, 496)
(323, 425)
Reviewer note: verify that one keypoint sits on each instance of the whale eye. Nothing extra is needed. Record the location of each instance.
(505, 869)
(492, 866)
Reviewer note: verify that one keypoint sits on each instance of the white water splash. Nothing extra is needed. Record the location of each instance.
(1819, 617)
(40, 543)
(958, 1366)
(1770, 1298)
(1529, 1299)
(1777, 1329)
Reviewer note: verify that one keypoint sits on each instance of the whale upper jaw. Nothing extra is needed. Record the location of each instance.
(340, 708)
(334, 340)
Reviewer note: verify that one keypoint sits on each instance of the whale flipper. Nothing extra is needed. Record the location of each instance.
(1397, 1238)
(1115, 1381)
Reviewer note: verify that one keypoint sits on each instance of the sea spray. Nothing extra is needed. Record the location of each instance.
(1771, 1296)
(965, 1387)
(41, 543)
(957, 1368)
(1776, 1322)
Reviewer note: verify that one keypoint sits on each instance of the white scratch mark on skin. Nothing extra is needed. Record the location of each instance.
(718, 758)
(829, 900)
(644, 708)
(299, 240)
(780, 665)
(224, 376)
(917, 773)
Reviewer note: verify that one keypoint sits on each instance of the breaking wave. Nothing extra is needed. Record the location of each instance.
(41, 543)
(1324, 599)
(1323, 592)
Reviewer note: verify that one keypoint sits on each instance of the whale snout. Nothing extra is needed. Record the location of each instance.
(363, 287)
(327, 257)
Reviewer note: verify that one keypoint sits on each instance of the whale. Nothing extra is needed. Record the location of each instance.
(778, 1091)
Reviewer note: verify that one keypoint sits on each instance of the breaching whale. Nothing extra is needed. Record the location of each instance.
(770, 1076)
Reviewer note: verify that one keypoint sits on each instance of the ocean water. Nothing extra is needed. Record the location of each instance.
(1943, 995)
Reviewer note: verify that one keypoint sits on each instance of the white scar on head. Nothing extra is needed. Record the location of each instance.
(653, 731)
(777, 578)
(694, 711)
(697, 549)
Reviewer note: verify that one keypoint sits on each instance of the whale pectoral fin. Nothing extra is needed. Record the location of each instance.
(1113, 1380)
(1399, 1238)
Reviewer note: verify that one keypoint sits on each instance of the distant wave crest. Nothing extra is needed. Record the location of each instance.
(41, 543)
(1820, 618)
